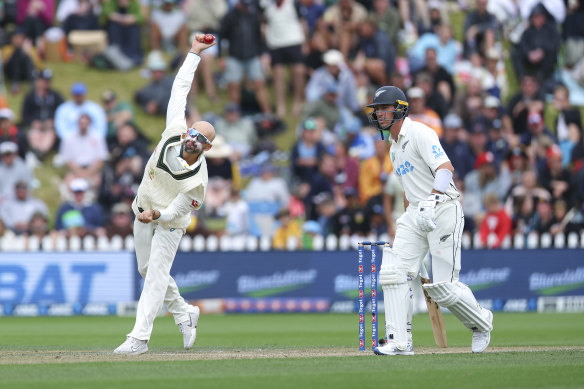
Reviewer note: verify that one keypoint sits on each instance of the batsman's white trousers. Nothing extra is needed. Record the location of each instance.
(156, 248)
(411, 245)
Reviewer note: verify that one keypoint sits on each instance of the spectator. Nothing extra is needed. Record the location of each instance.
(17, 211)
(122, 20)
(310, 230)
(117, 112)
(477, 144)
(564, 222)
(288, 229)
(67, 114)
(311, 12)
(544, 218)
(468, 103)
(238, 131)
(324, 108)
(523, 198)
(480, 29)
(323, 181)
(79, 216)
(17, 60)
(373, 172)
(535, 128)
(129, 153)
(221, 176)
(529, 98)
(83, 18)
(420, 112)
(567, 124)
(538, 49)
(122, 221)
(237, 211)
(376, 219)
(454, 140)
(35, 16)
(306, 152)
(325, 212)
(442, 83)
(446, 47)
(477, 184)
(517, 163)
(374, 54)
(168, 28)
(494, 76)
(84, 152)
(361, 143)
(241, 28)
(555, 178)
(153, 98)
(387, 20)
(38, 227)
(351, 219)
(12, 169)
(268, 187)
(41, 102)
(497, 143)
(284, 38)
(340, 22)
(205, 16)
(393, 202)
(496, 221)
(335, 71)
(42, 139)
(9, 132)
(347, 167)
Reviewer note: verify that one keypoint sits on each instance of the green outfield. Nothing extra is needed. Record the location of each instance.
(288, 351)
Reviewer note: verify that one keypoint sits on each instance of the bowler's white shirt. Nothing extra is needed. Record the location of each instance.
(415, 156)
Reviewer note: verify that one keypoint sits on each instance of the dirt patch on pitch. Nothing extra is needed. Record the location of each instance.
(13, 357)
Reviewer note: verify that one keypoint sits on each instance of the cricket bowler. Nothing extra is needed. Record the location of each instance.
(174, 183)
(433, 221)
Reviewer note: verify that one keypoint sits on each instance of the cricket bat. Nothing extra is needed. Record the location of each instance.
(438, 327)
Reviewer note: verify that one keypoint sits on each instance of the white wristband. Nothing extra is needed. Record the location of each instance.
(442, 180)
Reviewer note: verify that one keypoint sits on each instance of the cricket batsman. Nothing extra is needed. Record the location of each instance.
(174, 183)
(433, 221)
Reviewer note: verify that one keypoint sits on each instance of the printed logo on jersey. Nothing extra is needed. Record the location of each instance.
(404, 169)
(437, 151)
(404, 145)
(195, 203)
(392, 154)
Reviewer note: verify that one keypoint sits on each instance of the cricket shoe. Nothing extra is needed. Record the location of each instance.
(391, 348)
(188, 328)
(481, 340)
(132, 346)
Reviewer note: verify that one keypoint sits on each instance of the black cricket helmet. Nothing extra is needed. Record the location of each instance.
(389, 95)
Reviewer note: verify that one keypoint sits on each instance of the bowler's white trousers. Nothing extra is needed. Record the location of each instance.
(411, 245)
(156, 248)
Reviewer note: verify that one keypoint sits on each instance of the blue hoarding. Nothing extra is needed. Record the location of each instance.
(332, 275)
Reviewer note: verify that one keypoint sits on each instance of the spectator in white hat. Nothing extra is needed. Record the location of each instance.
(79, 216)
(334, 71)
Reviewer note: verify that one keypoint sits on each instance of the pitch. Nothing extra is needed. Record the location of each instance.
(288, 351)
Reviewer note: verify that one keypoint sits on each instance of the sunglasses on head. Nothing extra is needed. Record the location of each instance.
(194, 134)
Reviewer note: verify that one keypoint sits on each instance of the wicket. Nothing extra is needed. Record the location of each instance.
(361, 272)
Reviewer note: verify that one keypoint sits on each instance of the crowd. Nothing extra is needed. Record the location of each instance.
(518, 152)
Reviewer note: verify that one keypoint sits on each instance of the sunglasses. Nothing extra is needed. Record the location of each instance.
(196, 135)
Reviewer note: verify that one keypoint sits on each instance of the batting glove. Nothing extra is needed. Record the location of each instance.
(426, 216)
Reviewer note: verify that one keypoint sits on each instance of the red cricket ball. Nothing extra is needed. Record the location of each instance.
(209, 38)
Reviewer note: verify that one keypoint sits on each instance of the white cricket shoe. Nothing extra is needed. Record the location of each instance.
(132, 346)
(481, 340)
(189, 328)
(390, 348)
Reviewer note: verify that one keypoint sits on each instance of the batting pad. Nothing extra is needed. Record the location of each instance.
(396, 300)
(458, 298)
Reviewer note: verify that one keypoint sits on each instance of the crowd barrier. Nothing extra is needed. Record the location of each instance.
(264, 243)
(273, 281)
